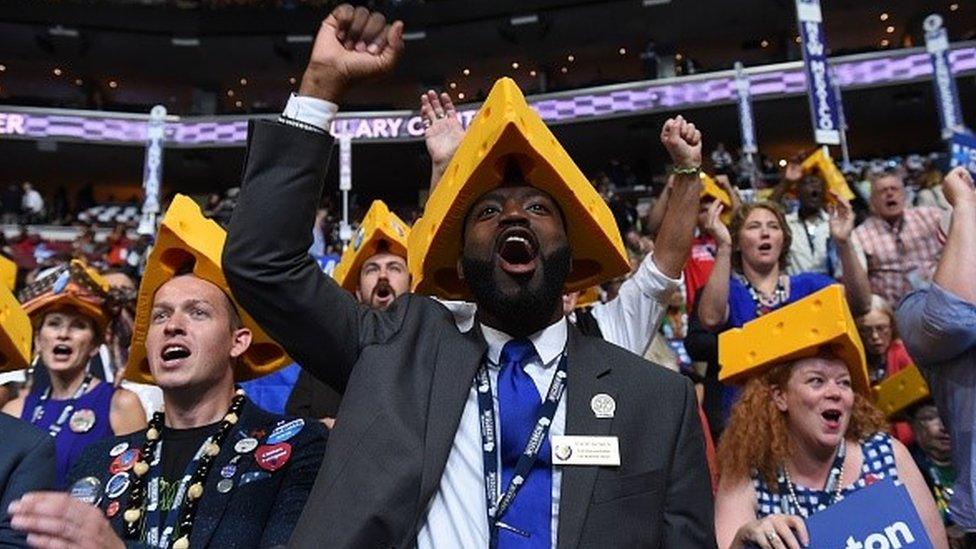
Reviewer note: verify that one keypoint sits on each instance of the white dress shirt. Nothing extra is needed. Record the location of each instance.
(457, 515)
(808, 252)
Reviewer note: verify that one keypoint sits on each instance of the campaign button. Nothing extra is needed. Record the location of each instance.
(245, 445)
(273, 457)
(88, 489)
(117, 485)
(225, 485)
(112, 509)
(124, 461)
(252, 476)
(82, 420)
(228, 471)
(118, 449)
(285, 430)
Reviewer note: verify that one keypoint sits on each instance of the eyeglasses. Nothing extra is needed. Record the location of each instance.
(868, 331)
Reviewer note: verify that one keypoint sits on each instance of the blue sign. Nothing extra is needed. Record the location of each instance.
(746, 126)
(946, 94)
(879, 516)
(327, 262)
(962, 151)
(821, 92)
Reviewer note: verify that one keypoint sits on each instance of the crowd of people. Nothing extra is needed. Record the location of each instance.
(534, 361)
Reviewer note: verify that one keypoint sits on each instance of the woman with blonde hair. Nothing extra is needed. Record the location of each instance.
(804, 434)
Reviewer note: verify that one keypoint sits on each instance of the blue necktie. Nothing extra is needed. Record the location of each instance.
(518, 408)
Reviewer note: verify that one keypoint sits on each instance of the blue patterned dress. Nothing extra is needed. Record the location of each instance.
(879, 464)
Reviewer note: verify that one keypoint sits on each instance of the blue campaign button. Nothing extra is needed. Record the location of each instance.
(252, 476)
(228, 471)
(117, 485)
(285, 430)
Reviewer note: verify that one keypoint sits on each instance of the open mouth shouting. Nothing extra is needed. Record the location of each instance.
(832, 419)
(383, 293)
(174, 354)
(518, 251)
(62, 352)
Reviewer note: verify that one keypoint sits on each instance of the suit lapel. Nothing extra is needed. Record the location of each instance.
(453, 375)
(588, 375)
(211, 509)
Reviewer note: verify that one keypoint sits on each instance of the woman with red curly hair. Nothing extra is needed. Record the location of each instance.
(801, 438)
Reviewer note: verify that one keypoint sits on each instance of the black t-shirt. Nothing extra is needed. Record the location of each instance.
(179, 447)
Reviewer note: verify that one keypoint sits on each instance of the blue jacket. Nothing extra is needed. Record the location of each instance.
(26, 465)
(261, 513)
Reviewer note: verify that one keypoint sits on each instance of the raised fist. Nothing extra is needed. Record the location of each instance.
(683, 142)
(353, 44)
(958, 186)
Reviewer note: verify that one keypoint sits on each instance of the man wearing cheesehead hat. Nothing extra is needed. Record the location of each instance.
(419, 456)
(374, 269)
(212, 469)
(27, 454)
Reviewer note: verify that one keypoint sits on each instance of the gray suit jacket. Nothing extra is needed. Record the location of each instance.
(26, 465)
(405, 374)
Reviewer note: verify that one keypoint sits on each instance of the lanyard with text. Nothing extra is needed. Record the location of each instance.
(489, 443)
(55, 427)
(157, 531)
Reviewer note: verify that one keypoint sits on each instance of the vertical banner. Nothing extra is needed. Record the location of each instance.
(345, 184)
(946, 94)
(823, 99)
(746, 126)
(962, 151)
(152, 172)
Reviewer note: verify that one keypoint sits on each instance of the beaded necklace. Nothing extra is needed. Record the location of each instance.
(764, 303)
(834, 481)
(211, 447)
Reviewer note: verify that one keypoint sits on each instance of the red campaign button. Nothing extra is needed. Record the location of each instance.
(124, 461)
(273, 457)
(113, 509)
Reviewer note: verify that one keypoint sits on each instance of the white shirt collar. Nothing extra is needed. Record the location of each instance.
(549, 342)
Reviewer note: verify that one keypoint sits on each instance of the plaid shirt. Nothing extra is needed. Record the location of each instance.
(903, 254)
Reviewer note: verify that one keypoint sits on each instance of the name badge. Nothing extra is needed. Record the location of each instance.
(585, 450)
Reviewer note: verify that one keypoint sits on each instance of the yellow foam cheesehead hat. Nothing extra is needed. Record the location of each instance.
(506, 129)
(589, 296)
(186, 238)
(15, 333)
(72, 285)
(821, 163)
(379, 228)
(799, 330)
(8, 273)
(900, 391)
(711, 188)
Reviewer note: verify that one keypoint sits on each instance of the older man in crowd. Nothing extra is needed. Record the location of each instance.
(901, 244)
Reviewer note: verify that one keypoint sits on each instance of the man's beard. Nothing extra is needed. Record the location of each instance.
(528, 310)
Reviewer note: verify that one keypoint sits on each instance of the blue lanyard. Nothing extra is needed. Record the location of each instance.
(489, 443)
(159, 529)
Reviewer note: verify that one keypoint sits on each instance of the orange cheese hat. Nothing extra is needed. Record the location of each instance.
(711, 188)
(900, 391)
(506, 129)
(819, 162)
(186, 238)
(379, 228)
(75, 286)
(15, 333)
(799, 330)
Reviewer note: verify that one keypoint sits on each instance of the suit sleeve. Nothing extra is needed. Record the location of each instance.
(295, 489)
(266, 259)
(33, 472)
(689, 514)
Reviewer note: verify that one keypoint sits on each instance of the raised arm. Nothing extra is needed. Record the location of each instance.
(673, 243)
(854, 276)
(443, 132)
(956, 272)
(713, 307)
(265, 258)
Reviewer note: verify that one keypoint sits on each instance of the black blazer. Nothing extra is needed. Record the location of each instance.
(26, 465)
(405, 374)
(262, 513)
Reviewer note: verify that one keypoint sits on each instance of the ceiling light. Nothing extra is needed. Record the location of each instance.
(466, 72)
(3, 68)
(79, 82)
(890, 29)
(239, 103)
(953, 7)
(230, 93)
(113, 84)
(764, 43)
(460, 95)
(524, 19)
(884, 43)
(622, 51)
(884, 16)
(564, 70)
(453, 85)
(570, 58)
(678, 57)
(532, 73)
(782, 162)
(515, 65)
(243, 81)
(292, 80)
(797, 39)
(57, 71)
